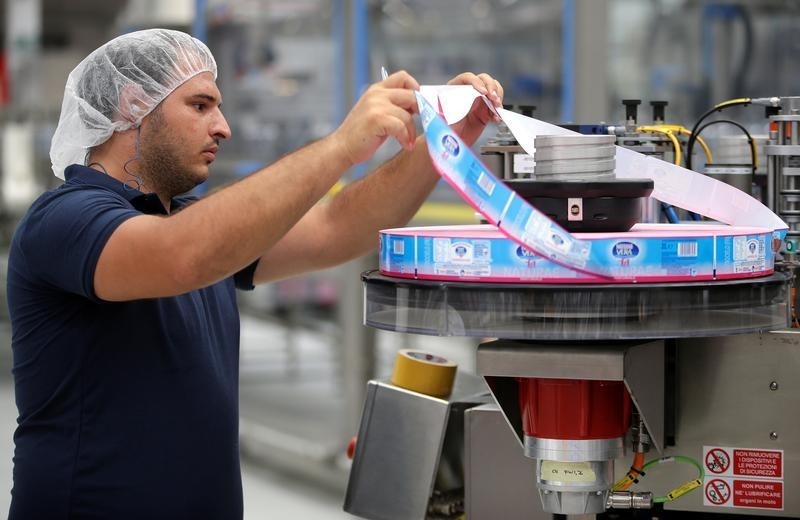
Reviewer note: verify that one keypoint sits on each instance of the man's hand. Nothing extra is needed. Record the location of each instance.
(385, 110)
(471, 127)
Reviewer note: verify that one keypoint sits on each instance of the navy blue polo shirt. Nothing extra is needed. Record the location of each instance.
(126, 410)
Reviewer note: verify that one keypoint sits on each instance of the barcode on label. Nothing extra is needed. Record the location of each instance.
(686, 249)
(486, 183)
(398, 247)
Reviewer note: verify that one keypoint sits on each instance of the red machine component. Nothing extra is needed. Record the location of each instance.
(575, 409)
(351, 447)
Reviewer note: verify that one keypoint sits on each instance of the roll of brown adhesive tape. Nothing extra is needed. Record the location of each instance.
(425, 373)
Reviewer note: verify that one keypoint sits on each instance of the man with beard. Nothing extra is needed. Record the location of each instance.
(124, 320)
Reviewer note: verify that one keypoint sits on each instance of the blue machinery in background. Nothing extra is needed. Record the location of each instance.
(199, 26)
(568, 61)
(351, 58)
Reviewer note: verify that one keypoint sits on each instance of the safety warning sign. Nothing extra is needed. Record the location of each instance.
(743, 477)
(758, 463)
(758, 493)
(745, 462)
(744, 493)
(717, 461)
(718, 492)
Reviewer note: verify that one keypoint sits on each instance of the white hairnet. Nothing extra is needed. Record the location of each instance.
(120, 83)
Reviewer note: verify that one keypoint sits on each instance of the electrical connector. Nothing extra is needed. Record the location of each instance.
(630, 500)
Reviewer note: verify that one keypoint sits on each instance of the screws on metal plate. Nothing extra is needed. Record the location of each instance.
(773, 386)
(773, 436)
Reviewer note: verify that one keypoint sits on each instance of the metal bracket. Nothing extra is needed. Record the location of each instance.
(639, 365)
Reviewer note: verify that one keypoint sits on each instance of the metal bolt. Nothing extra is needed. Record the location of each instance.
(773, 436)
(773, 386)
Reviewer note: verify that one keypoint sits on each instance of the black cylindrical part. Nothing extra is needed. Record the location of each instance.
(658, 111)
(631, 108)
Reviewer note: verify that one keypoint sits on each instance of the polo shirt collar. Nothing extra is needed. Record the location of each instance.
(148, 203)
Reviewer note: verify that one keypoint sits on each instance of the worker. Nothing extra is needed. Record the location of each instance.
(125, 330)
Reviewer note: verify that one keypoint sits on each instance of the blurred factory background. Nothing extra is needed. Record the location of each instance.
(289, 70)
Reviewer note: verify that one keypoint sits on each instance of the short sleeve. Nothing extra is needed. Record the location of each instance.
(63, 236)
(244, 278)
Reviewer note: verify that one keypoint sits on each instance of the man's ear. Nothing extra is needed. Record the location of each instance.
(134, 103)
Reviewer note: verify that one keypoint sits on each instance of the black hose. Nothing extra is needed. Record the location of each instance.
(693, 136)
(744, 131)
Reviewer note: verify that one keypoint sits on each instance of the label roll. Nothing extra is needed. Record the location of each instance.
(425, 373)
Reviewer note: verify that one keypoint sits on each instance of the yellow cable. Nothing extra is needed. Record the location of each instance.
(740, 101)
(445, 213)
(676, 145)
(671, 128)
(680, 129)
(624, 483)
(718, 107)
(737, 101)
(706, 150)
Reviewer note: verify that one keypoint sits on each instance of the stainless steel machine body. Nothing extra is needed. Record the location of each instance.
(739, 391)
(694, 386)
(409, 454)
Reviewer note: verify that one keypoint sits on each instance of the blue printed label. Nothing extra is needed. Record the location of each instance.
(498, 203)
(450, 145)
(625, 250)
(525, 253)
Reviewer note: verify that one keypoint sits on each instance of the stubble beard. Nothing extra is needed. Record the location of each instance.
(161, 163)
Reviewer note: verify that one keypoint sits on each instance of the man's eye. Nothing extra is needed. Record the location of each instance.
(199, 106)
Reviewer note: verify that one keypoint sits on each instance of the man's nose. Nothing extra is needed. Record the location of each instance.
(220, 128)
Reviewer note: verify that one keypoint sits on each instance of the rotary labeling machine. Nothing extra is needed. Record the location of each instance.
(670, 390)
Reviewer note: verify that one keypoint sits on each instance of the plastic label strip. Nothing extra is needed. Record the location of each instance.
(500, 205)
(647, 253)
(673, 184)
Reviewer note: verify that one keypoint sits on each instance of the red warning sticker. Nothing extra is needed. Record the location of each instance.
(758, 463)
(743, 462)
(763, 494)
